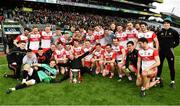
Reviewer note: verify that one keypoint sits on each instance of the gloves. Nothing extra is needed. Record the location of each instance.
(127, 71)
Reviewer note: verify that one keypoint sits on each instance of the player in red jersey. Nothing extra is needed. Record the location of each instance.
(98, 58)
(46, 36)
(59, 56)
(34, 40)
(131, 33)
(148, 60)
(87, 61)
(109, 61)
(78, 51)
(69, 49)
(98, 33)
(64, 39)
(22, 37)
(89, 36)
(122, 36)
(149, 35)
(77, 36)
(120, 56)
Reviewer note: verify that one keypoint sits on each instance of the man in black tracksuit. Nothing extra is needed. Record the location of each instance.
(14, 59)
(168, 40)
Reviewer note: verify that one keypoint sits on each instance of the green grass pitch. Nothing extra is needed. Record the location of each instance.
(92, 91)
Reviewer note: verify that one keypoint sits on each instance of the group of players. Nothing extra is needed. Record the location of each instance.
(98, 50)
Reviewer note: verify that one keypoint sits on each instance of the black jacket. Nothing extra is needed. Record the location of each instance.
(132, 58)
(41, 59)
(48, 55)
(76, 63)
(168, 39)
(16, 55)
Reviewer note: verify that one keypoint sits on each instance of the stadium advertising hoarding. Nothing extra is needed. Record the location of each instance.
(12, 29)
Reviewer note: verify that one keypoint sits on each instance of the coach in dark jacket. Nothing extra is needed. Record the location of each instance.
(168, 40)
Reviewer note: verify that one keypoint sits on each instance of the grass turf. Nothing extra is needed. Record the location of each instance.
(92, 91)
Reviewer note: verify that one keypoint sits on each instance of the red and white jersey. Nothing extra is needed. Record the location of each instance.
(118, 51)
(99, 34)
(77, 50)
(90, 56)
(122, 37)
(109, 56)
(84, 32)
(147, 57)
(59, 54)
(22, 37)
(98, 54)
(46, 39)
(132, 35)
(69, 52)
(62, 40)
(34, 40)
(91, 38)
(149, 36)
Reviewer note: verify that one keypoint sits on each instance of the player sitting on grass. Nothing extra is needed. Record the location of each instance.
(31, 76)
(148, 60)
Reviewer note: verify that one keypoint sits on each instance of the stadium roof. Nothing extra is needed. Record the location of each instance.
(135, 3)
(110, 8)
(159, 1)
(175, 18)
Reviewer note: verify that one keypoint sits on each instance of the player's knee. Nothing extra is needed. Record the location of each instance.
(92, 60)
(62, 71)
(144, 74)
(101, 62)
(123, 68)
(112, 64)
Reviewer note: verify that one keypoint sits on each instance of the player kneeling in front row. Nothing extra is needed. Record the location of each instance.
(98, 58)
(148, 60)
(131, 60)
(109, 61)
(31, 76)
(120, 57)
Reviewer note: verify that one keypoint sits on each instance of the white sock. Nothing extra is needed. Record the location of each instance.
(158, 78)
(129, 78)
(142, 88)
(13, 89)
(120, 76)
(172, 81)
